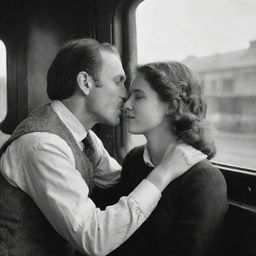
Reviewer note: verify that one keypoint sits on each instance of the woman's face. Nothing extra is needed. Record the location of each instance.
(144, 109)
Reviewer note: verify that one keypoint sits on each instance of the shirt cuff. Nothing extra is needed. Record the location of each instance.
(146, 196)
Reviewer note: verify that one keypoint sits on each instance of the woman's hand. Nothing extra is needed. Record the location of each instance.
(175, 162)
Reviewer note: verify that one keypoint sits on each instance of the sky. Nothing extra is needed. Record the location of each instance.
(174, 29)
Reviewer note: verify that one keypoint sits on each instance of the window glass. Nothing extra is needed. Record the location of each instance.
(3, 87)
(216, 39)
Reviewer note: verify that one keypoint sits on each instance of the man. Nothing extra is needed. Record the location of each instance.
(48, 175)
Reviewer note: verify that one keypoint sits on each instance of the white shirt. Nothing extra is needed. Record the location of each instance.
(188, 150)
(43, 165)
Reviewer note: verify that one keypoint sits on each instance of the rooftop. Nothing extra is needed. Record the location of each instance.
(230, 60)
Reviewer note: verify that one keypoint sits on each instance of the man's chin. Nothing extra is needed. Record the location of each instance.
(134, 132)
(112, 122)
(116, 122)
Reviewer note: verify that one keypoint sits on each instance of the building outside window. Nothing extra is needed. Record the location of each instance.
(228, 86)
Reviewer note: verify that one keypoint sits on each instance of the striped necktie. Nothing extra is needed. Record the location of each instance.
(89, 149)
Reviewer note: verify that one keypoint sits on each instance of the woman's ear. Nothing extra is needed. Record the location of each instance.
(168, 110)
(171, 108)
(84, 82)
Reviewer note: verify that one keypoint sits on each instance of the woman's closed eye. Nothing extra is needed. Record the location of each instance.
(138, 95)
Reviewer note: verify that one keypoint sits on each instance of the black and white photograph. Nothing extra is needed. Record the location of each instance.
(127, 128)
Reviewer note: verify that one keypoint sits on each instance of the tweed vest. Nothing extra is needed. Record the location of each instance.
(24, 230)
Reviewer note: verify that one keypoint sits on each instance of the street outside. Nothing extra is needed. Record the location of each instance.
(236, 149)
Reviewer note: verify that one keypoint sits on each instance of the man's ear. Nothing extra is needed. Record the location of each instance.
(84, 82)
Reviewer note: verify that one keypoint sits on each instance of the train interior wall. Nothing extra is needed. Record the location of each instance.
(33, 31)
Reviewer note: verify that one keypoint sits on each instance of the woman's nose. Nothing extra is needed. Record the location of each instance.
(127, 104)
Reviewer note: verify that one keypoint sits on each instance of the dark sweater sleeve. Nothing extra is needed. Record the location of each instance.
(104, 197)
(201, 206)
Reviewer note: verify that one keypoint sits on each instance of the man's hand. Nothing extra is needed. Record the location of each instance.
(176, 161)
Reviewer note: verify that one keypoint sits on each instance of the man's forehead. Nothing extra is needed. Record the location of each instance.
(111, 62)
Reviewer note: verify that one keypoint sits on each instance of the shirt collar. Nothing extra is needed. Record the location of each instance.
(72, 123)
(146, 157)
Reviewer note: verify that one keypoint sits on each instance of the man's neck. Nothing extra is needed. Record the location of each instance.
(78, 108)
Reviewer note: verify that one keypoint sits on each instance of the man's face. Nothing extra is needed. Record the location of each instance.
(107, 98)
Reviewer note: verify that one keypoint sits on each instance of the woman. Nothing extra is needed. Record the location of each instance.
(166, 106)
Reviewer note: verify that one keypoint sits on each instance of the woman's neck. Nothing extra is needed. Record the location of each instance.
(157, 142)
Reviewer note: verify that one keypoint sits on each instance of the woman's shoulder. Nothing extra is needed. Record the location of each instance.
(202, 185)
(203, 174)
(205, 168)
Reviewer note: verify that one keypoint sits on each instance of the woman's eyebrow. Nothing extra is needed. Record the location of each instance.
(137, 90)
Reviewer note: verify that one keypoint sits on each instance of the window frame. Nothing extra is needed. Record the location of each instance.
(5, 78)
(16, 68)
(124, 37)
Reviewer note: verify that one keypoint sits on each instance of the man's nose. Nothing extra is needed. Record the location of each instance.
(124, 93)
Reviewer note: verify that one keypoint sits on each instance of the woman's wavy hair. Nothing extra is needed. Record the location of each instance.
(176, 84)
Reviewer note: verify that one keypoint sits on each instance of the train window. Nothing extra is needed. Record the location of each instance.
(218, 41)
(3, 86)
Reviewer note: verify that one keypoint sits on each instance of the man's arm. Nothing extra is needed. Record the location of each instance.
(176, 161)
(46, 171)
(50, 178)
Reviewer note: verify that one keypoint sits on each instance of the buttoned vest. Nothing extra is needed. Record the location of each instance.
(24, 230)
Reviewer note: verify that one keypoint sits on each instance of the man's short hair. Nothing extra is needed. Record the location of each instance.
(75, 56)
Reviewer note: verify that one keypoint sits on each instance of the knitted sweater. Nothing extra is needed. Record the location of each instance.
(23, 228)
